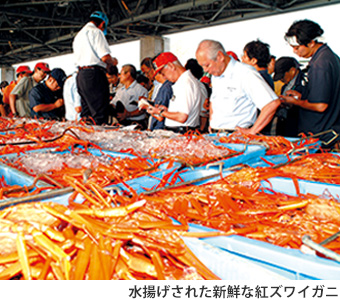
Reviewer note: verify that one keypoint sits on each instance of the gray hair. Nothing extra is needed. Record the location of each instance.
(211, 48)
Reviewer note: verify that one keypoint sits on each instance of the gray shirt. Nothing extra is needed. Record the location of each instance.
(21, 90)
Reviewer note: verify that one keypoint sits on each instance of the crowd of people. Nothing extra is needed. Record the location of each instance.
(214, 91)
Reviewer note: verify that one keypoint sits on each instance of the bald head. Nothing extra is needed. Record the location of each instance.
(210, 48)
(212, 57)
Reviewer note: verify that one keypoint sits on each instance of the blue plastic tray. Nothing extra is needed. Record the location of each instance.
(290, 263)
(312, 148)
(13, 176)
(251, 154)
(230, 266)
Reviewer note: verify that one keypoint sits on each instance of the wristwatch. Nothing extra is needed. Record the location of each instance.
(160, 113)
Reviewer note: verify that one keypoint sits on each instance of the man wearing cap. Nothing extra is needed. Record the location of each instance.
(18, 99)
(183, 112)
(21, 72)
(93, 59)
(46, 98)
(238, 91)
(287, 69)
(320, 107)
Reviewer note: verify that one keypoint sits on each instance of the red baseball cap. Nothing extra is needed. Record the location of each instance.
(43, 66)
(24, 69)
(161, 60)
(205, 79)
(233, 55)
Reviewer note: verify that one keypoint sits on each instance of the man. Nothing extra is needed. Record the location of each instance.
(183, 112)
(271, 65)
(148, 70)
(21, 72)
(126, 99)
(257, 54)
(198, 72)
(163, 97)
(93, 59)
(113, 80)
(287, 70)
(320, 107)
(18, 100)
(237, 92)
(3, 86)
(72, 100)
(45, 98)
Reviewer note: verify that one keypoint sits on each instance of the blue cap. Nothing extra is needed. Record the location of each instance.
(100, 15)
(59, 75)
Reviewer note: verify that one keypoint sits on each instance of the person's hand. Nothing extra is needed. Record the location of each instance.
(153, 110)
(122, 116)
(143, 103)
(292, 97)
(244, 130)
(59, 103)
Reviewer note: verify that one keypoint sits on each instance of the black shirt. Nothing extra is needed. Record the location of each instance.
(41, 94)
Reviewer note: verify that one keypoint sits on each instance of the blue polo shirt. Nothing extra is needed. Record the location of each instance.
(163, 97)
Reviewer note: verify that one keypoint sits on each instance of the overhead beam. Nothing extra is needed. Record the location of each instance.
(35, 46)
(164, 11)
(260, 4)
(63, 2)
(16, 14)
(257, 14)
(41, 27)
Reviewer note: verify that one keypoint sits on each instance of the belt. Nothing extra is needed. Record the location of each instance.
(92, 67)
(222, 130)
(180, 129)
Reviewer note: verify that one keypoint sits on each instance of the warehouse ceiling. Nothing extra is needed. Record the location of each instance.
(35, 29)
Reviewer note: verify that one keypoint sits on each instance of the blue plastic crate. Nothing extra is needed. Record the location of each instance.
(230, 266)
(251, 154)
(290, 263)
(13, 176)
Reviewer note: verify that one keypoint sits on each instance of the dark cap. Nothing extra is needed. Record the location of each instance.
(283, 65)
(59, 75)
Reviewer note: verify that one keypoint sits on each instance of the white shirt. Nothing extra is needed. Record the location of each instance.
(236, 95)
(71, 98)
(187, 98)
(130, 97)
(89, 46)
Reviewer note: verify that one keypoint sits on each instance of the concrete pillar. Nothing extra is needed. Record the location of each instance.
(152, 45)
(7, 73)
